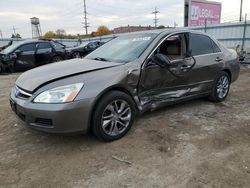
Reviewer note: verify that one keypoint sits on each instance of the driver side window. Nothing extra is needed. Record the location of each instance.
(173, 47)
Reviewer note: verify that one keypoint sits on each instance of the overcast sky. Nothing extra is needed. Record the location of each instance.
(68, 14)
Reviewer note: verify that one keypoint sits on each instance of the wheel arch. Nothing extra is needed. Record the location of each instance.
(56, 55)
(229, 73)
(103, 93)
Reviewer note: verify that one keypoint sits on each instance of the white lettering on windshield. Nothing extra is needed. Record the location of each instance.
(141, 39)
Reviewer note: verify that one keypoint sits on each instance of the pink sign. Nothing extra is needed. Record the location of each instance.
(202, 12)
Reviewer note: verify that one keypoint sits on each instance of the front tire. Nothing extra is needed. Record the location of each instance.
(221, 87)
(113, 116)
(2, 68)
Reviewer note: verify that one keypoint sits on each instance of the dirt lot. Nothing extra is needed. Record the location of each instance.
(194, 144)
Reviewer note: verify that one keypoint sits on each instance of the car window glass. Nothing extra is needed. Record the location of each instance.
(83, 44)
(44, 45)
(91, 45)
(200, 44)
(57, 44)
(124, 48)
(27, 47)
(174, 47)
(215, 46)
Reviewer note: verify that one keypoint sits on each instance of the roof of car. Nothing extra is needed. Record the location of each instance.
(160, 31)
(31, 40)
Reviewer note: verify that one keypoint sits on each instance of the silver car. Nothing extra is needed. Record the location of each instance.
(131, 74)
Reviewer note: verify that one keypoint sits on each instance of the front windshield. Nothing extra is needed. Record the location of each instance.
(11, 48)
(83, 44)
(57, 44)
(123, 49)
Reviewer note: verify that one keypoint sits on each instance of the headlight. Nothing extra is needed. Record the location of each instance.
(61, 94)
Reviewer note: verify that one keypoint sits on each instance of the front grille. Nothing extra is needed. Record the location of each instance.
(20, 93)
(44, 122)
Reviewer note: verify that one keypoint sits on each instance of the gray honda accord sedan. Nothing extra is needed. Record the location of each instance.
(131, 74)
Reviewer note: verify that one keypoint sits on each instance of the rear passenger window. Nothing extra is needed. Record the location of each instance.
(44, 45)
(200, 44)
(216, 48)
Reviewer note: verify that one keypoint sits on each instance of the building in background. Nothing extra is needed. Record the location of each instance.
(201, 12)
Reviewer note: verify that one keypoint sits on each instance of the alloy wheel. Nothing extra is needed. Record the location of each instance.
(76, 55)
(116, 117)
(57, 59)
(222, 87)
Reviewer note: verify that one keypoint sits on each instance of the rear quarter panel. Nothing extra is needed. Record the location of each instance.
(231, 63)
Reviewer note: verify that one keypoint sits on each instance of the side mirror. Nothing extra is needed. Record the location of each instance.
(161, 60)
(18, 52)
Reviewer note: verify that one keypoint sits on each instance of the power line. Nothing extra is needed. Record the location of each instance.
(86, 24)
(155, 19)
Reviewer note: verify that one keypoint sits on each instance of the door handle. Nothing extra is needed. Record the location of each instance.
(218, 59)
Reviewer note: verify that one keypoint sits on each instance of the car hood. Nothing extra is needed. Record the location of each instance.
(34, 78)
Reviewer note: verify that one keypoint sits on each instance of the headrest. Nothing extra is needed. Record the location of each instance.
(173, 49)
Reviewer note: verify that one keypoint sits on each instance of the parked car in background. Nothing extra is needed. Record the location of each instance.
(83, 49)
(28, 54)
(133, 73)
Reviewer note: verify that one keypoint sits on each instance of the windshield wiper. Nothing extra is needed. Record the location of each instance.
(100, 59)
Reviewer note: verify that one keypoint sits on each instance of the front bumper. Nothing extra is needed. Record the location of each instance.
(7, 64)
(54, 118)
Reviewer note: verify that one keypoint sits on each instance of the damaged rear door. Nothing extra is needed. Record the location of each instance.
(209, 60)
(159, 84)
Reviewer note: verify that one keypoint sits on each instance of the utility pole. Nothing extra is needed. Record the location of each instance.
(244, 34)
(86, 25)
(155, 19)
(205, 25)
(241, 4)
(1, 34)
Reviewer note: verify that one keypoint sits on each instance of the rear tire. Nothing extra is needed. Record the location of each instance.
(113, 116)
(56, 59)
(76, 55)
(221, 87)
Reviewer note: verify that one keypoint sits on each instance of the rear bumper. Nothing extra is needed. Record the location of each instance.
(54, 118)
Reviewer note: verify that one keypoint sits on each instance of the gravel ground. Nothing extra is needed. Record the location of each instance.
(193, 144)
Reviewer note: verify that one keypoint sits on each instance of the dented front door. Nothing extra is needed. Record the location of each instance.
(158, 85)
